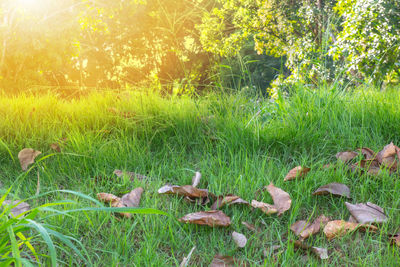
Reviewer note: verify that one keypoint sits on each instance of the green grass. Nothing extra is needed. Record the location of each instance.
(238, 144)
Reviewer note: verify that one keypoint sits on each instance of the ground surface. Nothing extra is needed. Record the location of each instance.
(239, 145)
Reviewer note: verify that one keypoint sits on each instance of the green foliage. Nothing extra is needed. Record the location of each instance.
(369, 41)
(324, 41)
(19, 244)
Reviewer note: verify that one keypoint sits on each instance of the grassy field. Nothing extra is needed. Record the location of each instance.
(239, 144)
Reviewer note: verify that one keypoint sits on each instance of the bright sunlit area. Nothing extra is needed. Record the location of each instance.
(199, 133)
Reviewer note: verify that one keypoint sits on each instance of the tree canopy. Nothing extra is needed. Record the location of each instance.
(164, 43)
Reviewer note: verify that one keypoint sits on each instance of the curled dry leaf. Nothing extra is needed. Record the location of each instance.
(27, 157)
(387, 156)
(322, 253)
(334, 189)
(346, 156)
(239, 239)
(131, 175)
(19, 209)
(282, 200)
(339, 228)
(265, 207)
(298, 171)
(185, 190)
(228, 199)
(211, 218)
(131, 199)
(196, 179)
(367, 212)
(304, 229)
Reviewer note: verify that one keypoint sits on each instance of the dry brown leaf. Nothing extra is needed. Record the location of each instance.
(250, 226)
(346, 156)
(296, 172)
(131, 199)
(339, 228)
(367, 153)
(55, 147)
(322, 253)
(211, 218)
(334, 189)
(374, 171)
(131, 175)
(185, 190)
(196, 179)
(228, 199)
(27, 157)
(282, 200)
(367, 212)
(239, 239)
(265, 207)
(387, 156)
(305, 230)
(19, 209)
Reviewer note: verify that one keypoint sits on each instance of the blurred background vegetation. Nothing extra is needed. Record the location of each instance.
(188, 46)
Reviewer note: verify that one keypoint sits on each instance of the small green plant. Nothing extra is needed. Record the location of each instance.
(18, 242)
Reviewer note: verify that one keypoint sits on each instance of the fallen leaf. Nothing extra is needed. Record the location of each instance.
(131, 199)
(334, 189)
(19, 209)
(131, 175)
(346, 156)
(304, 230)
(322, 253)
(387, 156)
(55, 147)
(114, 201)
(367, 153)
(298, 171)
(224, 261)
(281, 199)
(27, 157)
(196, 179)
(228, 199)
(185, 190)
(265, 207)
(250, 226)
(186, 259)
(211, 218)
(367, 213)
(339, 228)
(239, 239)
(374, 171)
